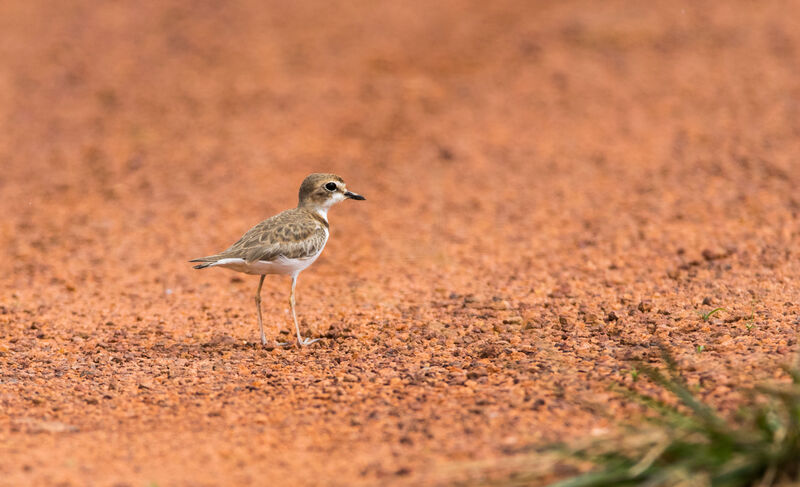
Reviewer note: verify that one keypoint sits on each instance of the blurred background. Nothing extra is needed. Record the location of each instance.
(529, 168)
(162, 132)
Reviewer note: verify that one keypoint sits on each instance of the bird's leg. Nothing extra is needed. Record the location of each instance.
(258, 307)
(300, 340)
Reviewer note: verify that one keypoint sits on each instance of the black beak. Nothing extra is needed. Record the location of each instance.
(354, 196)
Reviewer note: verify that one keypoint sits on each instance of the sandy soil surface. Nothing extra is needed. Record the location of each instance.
(552, 188)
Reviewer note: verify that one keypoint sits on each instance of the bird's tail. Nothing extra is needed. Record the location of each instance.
(206, 262)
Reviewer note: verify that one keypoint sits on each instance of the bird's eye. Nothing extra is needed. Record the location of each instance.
(330, 186)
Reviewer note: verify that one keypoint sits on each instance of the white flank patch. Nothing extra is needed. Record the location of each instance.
(281, 265)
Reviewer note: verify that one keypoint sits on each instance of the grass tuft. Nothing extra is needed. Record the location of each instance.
(693, 445)
(707, 316)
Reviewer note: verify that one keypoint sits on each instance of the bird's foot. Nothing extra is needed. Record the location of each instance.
(306, 341)
(268, 345)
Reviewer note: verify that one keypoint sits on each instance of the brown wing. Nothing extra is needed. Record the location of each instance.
(292, 234)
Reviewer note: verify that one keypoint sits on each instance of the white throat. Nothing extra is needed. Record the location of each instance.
(322, 210)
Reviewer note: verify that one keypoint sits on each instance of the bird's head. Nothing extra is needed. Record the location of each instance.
(321, 191)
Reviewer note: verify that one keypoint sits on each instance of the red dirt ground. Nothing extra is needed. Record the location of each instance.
(552, 188)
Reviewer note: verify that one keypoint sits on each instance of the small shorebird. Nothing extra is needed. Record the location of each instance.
(288, 242)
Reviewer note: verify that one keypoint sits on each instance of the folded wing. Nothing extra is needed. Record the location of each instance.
(281, 235)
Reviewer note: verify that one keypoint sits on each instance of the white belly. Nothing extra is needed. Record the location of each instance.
(281, 265)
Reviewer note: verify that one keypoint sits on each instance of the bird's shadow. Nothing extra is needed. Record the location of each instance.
(220, 344)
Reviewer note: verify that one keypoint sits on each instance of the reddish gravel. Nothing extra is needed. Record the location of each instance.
(551, 189)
